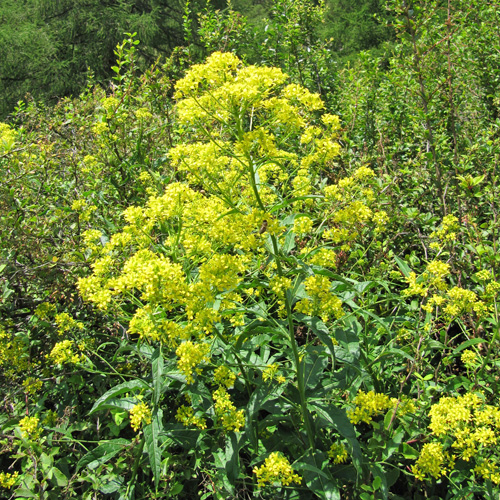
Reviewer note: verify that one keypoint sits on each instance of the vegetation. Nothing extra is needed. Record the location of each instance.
(259, 270)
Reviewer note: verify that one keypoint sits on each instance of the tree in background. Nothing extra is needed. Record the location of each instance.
(48, 46)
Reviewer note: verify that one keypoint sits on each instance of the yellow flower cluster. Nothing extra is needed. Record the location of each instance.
(469, 358)
(186, 415)
(45, 310)
(7, 138)
(349, 208)
(447, 231)
(230, 418)
(190, 356)
(338, 453)
(302, 225)
(433, 286)
(140, 414)
(369, 405)
(209, 96)
(65, 323)
(474, 425)
(488, 470)
(432, 462)
(471, 430)
(29, 427)
(32, 385)
(276, 470)
(324, 257)
(7, 479)
(321, 302)
(270, 372)
(279, 285)
(83, 209)
(224, 376)
(63, 354)
(12, 354)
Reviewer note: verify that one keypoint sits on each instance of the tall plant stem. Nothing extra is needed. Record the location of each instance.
(291, 329)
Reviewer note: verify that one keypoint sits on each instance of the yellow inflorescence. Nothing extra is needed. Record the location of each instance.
(321, 302)
(140, 414)
(469, 358)
(369, 405)
(473, 429)
(224, 376)
(32, 385)
(29, 427)
(431, 462)
(230, 418)
(63, 353)
(338, 453)
(276, 470)
(185, 415)
(190, 356)
(7, 479)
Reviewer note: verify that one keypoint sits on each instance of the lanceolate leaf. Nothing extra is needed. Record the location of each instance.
(102, 453)
(157, 368)
(152, 437)
(130, 386)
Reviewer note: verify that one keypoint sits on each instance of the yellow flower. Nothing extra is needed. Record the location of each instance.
(190, 356)
(276, 470)
(230, 418)
(431, 462)
(140, 414)
(224, 376)
(29, 427)
(7, 480)
(369, 405)
(338, 454)
(269, 373)
(322, 301)
(32, 385)
(62, 354)
(185, 415)
(469, 358)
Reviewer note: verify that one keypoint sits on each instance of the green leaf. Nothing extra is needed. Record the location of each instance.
(466, 344)
(379, 480)
(317, 477)
(152, 437)
(130, 386)
(403, 266)
(232, 457)
(60, 478)
(25, 493)
(102, 453)
(121, 404)
(337, 418)
(313, 365)
(319, 329)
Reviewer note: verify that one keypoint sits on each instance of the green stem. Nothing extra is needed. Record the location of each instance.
(137, 461)
(291, 329)
(238, 360)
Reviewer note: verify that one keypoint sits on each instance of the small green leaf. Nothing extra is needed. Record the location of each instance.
(130, 386)
(403, 266)
(60, 478)
(102, 453)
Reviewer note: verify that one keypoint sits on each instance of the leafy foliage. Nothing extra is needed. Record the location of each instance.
(258, 281)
